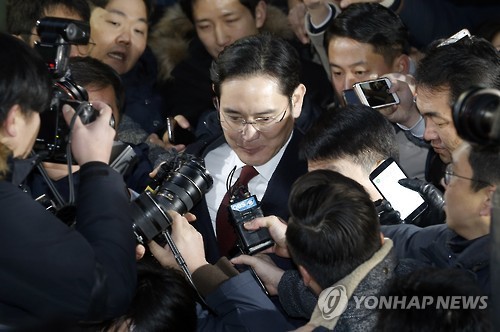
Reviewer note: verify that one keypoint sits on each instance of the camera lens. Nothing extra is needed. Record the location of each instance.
(474, 114)
(183, 188)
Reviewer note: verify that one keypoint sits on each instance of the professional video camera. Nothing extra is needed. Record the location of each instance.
(56, 37)
(178, 185)
(476, 115)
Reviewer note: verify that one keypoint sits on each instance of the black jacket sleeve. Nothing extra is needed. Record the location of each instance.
(50, 272)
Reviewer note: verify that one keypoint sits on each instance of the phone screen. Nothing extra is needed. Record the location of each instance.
(385, 177)
(376, 93)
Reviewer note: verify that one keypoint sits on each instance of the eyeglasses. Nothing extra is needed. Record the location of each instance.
(238, 123)
(456, 37)
(448, 173)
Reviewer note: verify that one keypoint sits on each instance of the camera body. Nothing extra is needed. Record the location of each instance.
(179, 185)
(56, 37)
(249, 242)
(476, 115)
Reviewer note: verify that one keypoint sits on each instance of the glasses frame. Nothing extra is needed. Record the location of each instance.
(448, 173)
(244, 122)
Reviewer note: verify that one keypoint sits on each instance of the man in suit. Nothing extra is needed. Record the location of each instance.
(259, 96)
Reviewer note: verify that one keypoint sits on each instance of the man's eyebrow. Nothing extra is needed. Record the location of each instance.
(120, 13)
(432, 114)
(359, 63)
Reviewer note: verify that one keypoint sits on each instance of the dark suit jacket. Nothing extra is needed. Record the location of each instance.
(274, 201)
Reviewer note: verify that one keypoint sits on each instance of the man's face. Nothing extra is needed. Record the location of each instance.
(62, 11)
(119, 32)
(220, 23)
(352, 62)
(463, 204)
(434, 105)
(254, 97)
(106, 95)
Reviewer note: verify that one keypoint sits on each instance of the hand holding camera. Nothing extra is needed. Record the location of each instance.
(92, 141)
(187, 239)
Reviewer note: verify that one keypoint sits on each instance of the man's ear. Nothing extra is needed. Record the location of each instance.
(486, 204)
(306, 277)
(401, 64)
(11, 121)
(297, 100)
(260, 14)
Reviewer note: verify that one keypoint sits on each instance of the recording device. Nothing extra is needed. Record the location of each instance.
(375, 93)
(476, 115)
(178, 185)
(245, 208)
(177, 134)
(407, 202)
(56, 37)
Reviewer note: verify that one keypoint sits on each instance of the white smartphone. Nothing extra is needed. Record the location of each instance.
(375, 93)
(408, 202)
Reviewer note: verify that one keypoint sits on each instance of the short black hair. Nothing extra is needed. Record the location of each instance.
(262, 54)
(333, 226)
(22, 15)
(163, 301)
(25, 79)
(374, 24)
(357, 132)
(187, 7)
(88, 71)
(457, 67)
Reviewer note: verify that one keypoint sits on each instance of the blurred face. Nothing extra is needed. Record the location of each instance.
(252, 98)
(62, 11)
(439, 128)
(463, 205)
(352, 62)
(119, 32)
(496, 41)
(220, 23)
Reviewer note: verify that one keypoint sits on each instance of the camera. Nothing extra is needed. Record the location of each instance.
(178, 185)
(476, 115)
(56, 37)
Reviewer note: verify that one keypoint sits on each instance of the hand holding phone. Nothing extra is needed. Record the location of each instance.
(178, 135)
(375, 93)
(408, 202)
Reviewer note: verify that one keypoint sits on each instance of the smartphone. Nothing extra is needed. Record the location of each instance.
(375, 93)
(177, 134)
(408, 202)
(350, 97)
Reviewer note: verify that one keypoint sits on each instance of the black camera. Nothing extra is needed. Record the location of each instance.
(476, 115)
(249, 242)
(179, 185)
(56, 37)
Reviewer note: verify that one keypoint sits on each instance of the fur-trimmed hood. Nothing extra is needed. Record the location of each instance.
(169, 38)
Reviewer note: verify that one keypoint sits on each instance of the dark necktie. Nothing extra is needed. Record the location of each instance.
(226, 234)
